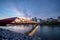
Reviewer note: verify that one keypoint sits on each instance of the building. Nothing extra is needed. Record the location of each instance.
(58, 18)
(50, 19)
(39, 20)
(34, 19)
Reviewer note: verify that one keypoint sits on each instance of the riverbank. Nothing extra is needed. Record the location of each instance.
(50, 23)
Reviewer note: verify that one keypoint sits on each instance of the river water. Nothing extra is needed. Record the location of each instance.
(18, 28)
(49, 32)
(43, 32)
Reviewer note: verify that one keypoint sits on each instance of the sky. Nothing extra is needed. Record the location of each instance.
(30, 8)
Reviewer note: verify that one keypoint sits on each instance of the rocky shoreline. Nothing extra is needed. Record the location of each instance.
(10, 35)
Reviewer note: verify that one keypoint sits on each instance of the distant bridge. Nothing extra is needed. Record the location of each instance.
(16, 21)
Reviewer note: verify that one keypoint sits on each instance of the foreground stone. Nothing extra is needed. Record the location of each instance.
(10, 35)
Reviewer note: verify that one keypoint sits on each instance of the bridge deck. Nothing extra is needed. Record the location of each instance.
(16, 21)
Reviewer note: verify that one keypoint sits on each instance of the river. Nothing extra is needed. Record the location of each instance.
(43, 32)
(49, 32)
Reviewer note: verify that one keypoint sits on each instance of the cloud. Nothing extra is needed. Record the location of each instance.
(11, 7)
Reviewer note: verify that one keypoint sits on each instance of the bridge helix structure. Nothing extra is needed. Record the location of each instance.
(20, 21)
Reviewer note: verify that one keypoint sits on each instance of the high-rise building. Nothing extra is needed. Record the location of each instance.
(39, 20)
(34, 19)
(58, 18)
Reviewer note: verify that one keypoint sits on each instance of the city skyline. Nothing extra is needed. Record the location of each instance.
(30, 8)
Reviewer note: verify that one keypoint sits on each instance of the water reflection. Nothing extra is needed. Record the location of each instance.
(18, 28)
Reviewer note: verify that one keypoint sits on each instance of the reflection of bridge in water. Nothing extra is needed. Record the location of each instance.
(19, 21)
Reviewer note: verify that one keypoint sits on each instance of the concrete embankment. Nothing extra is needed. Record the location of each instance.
(32, 32)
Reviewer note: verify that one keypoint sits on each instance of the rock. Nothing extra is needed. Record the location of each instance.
(10, 35)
